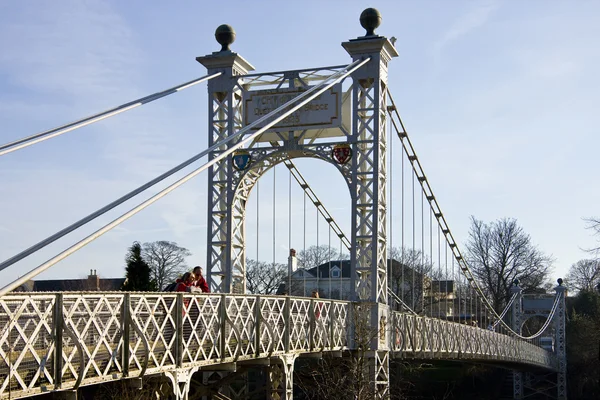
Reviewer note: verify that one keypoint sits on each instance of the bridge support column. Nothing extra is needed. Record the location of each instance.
(516, 316)
(180, 381)
(368, 255)
(378, 373)
(226, 259)
(281, 377)
(560, 346)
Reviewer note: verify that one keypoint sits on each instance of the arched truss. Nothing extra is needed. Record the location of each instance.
(526, 317)
(244, 181)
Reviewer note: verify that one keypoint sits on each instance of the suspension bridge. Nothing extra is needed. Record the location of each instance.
(423, 303)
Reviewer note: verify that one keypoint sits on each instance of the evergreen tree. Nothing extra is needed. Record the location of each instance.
(137, 271)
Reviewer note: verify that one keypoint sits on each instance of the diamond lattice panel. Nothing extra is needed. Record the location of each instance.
(155, 315)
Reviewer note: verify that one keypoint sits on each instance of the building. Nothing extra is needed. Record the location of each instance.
(93, 283)
(332, 280)
(440, 299)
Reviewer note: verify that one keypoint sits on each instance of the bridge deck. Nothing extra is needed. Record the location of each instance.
(57, 341)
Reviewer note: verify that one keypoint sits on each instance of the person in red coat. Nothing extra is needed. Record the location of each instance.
(200, 281)
(185, 283)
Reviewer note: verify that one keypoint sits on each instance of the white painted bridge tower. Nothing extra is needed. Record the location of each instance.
(345, 126)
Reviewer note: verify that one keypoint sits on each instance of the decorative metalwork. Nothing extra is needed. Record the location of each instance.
(517, 311)
(225, 118)
(241, 159)
(341, 153)
(561, 342)
(466, 342)
(281, 373)
(108, 336)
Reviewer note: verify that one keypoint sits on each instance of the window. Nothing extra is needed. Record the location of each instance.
(335, 272)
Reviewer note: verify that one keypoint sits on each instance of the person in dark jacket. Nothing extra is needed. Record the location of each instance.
(200, 282)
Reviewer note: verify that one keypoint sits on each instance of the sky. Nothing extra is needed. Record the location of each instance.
(499, 99)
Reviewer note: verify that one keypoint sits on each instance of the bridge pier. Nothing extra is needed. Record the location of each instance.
(281, 377)
(561, 342)
(180, 382)
(516, 313)
(377, 368)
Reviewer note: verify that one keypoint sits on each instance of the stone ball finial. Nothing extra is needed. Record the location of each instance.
(225, 35)
(370, 19)
(560, 281)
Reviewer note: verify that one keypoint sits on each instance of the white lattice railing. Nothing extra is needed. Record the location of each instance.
(62, 341)
(106, 336)
(424, 337)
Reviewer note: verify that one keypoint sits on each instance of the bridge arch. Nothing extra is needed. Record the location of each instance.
(244, 181)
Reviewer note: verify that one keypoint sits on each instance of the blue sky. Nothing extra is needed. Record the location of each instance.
(499, 99)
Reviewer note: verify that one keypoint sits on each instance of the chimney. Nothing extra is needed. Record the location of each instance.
(93, 281)
(292, 261)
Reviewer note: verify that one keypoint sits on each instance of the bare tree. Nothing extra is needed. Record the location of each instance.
(410, 276)
(166, 261)
(584, 274)
(593, 223)
(263, 277)
(500, 252)
(317, 255)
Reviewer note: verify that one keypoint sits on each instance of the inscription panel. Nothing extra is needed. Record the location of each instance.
(322, 112)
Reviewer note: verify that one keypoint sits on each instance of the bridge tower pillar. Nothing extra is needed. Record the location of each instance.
(368, 254)
(225, 259)
(561, 350)
(516, 317)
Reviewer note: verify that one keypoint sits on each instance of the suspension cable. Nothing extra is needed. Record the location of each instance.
(341, 271)
(329, 254)
(49, 134)
(317, 250)
(274, 216)
(402, 225)
(557, 300)
(401, 302)
(390, 140)
(308, 192)
(426, 188)
(304, 234)
(315, 199)
(306, 97)
(257, 218)
(508, 306)
(289, 285)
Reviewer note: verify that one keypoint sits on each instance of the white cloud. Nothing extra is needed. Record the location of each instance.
(473, 19)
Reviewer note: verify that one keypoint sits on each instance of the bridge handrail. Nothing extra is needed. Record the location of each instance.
(478, 342)
(175, 330)
(170, 330)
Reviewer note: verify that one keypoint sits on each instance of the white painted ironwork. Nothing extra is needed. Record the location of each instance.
(561, 342)
(423, 337)
(229, 189)
(323, 112)
(51, 342)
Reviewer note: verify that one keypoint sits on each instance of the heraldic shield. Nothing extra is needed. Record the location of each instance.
(241, 160)
(341, 153)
